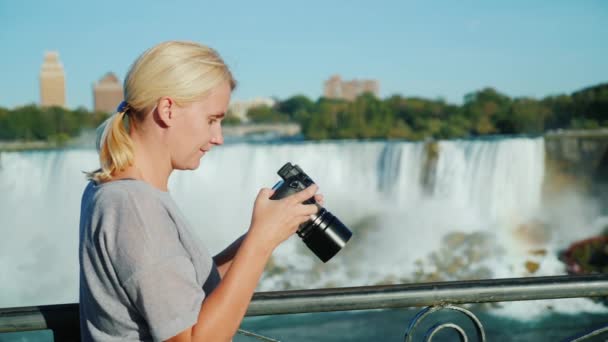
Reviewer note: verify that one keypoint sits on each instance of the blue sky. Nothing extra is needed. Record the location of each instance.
(442, 48)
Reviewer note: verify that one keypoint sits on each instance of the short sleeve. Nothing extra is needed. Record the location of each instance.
(152, 265)
(167, 296)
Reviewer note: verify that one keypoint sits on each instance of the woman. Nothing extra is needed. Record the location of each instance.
(143, 276)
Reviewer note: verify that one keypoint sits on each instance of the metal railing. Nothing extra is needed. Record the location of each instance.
(63, 320)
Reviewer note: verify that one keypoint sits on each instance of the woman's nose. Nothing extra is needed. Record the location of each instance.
(217, 138)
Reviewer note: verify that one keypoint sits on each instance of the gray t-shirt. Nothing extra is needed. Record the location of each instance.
(143, 274)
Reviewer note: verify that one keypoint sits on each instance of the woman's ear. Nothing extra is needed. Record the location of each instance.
(165, 109)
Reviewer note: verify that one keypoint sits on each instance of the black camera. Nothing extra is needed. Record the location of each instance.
(324, 234)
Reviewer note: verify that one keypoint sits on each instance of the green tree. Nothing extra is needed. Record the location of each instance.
(231, 119)
(485, 108)
(52, 123)
(29, 123)
(4, 129)
(456, 126)
(560, 111)
(528, 116)
(265, 114)
(323, 122)
(400, 130)
(295, 104)
(591, 104)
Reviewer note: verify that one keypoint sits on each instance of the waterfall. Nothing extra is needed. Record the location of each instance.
(400, 199)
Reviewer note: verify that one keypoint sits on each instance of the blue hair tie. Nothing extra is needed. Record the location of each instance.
(122, 107)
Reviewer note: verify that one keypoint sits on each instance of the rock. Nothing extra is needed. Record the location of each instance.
(453, 240)
(272, 268)
(460, 257)
(539, 252)
(532, 266)
(533, 233)
(587, 256)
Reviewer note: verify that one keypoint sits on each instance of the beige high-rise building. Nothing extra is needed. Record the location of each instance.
(107, 93)
(52, 81)
(336, 88)
(333, 87)
(370, 86)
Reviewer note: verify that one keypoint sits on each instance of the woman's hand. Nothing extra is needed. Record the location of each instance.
(273, 221)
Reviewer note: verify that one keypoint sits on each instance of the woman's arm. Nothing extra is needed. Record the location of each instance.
(222, 312)
(273, 221)
(224, 259)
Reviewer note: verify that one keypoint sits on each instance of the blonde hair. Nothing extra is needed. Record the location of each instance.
(184, 71)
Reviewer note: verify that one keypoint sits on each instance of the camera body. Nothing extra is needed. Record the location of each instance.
(324, 234)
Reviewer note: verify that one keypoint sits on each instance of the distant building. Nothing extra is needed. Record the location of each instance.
(333, 87)
(240, 108)
(336, 88)
(107, 93)
(52, 81)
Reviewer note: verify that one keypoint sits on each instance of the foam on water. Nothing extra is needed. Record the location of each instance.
(399, 205)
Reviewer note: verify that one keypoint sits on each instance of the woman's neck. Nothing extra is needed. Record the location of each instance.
(152, 162)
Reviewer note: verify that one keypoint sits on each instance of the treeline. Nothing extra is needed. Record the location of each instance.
(483, 112)
(55, 124)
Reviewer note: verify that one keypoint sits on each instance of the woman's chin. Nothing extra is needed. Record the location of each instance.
(195, 165)
(190, 165)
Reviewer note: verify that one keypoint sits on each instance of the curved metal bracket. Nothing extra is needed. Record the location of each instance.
(421, 315)
(436, 328)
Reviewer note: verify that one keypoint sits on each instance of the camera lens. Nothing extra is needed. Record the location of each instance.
(324, 234)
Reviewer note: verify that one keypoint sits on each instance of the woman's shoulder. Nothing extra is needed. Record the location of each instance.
(123, 192)
(130, 208)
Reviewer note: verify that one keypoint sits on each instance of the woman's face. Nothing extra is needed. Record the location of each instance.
(196, 128)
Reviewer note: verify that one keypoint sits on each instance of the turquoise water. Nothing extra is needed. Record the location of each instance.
(390, 325)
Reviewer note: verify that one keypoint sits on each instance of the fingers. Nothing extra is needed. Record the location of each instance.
(298, 220)
(265, 193)
(304, 194)
(308, 209)
(320, 199)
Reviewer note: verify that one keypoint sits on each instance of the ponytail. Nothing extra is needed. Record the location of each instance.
(114, 146)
